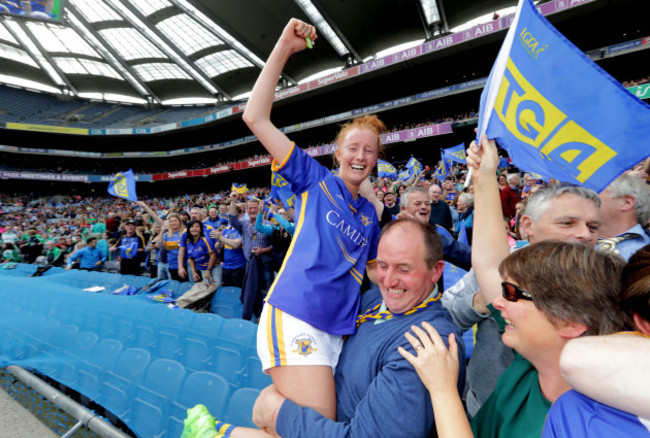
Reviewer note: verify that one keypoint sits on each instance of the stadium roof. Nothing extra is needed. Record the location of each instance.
(169, 51)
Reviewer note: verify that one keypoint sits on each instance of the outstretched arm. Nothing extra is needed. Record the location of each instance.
(258, 110)
(490, 244)
(610, 369)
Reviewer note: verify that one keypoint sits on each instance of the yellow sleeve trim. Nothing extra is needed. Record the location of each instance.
(371, 261)
(275, 166)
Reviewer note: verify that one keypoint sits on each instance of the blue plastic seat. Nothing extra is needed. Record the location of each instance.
(228, 364)
(205, 388)
(240, 408)
(238, 331)
(196, 354)
(255, 377)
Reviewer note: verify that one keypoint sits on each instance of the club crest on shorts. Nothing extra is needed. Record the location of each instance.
(304, 344)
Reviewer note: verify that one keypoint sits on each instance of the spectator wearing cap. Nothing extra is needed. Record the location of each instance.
(390, 202)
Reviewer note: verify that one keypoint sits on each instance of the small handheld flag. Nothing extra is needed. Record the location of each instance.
(239, 188)
(123, 186)
(310, 44)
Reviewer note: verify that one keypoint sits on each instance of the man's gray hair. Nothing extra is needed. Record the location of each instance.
(512, 176)
(538, 203)
(466, 198)
(636, 187)
(404, 199)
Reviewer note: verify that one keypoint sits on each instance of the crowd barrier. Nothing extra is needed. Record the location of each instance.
(142, 361)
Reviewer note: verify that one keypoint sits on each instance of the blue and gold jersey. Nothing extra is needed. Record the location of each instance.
(335, 237)
(172, 244)
(233, 258)
(200, 253)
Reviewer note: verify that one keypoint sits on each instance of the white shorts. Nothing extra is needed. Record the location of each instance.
(284, 340)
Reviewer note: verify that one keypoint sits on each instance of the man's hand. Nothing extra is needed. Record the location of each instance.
(234, 196)
(181, 272)
(257, 251)
(266, 409)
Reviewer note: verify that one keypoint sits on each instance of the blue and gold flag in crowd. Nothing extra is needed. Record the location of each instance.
(386, 170)
(455, 153)
(557, 112)
(404, 175)
(281, 189)
(441, 171)
(239, 188)
(123, 186)
(415, 166)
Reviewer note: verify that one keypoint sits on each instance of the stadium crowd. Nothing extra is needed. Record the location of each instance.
(241, 225)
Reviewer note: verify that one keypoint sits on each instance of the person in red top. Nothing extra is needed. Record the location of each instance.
(510, 196)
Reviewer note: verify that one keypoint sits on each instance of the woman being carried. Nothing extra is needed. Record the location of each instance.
(315, 298)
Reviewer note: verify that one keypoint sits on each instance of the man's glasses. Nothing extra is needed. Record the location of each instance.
(512, 292)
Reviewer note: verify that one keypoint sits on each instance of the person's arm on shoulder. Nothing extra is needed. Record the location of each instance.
(490, 244)
(257, 114)
(610, 369)
(437, 366)
(288, 226)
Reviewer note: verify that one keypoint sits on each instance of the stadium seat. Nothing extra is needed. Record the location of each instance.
(226, 302)
(207, 389)
(240, 408)
(196, 354)
(228, 364)
(239, 332)
(254, 376)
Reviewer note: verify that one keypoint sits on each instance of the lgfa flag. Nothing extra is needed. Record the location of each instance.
(558, 113)
(386, 170)
(123, 186)
(239, 188)
(456, 153)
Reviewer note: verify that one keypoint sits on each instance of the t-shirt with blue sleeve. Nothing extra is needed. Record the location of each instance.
(335, 236)
(233, 258)
(200, 252)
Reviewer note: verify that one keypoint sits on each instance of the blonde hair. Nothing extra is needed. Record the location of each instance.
(170, 232)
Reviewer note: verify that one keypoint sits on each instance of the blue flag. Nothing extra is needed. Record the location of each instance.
(386, 170)
(441, 171)
(404, 175)
(123, 186)
(239, 188)
(456, 153)
(281, 189)
(415, 166)
(557, 112)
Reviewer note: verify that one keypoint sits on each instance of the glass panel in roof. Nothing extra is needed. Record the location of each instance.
(95, 10)
(131, 44)
(61, 39)
(323, 26)
(86, 67)
(224, 61)
(157, 71)
(18, 55)
(150, 6)
(5, 35)
(187, 34)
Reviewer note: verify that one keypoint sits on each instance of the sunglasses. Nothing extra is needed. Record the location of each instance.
(512, 292)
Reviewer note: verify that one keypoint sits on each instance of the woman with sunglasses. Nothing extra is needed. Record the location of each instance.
(610, 374)
(542, 296)
(552, 292)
